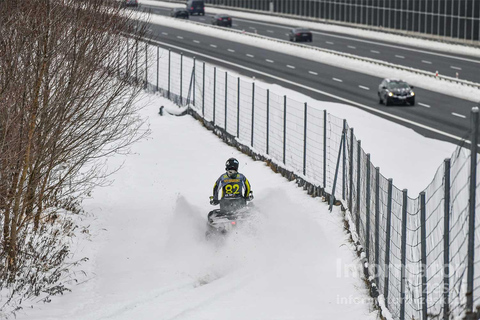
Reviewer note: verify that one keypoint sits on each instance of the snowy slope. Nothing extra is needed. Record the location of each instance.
(151, 260)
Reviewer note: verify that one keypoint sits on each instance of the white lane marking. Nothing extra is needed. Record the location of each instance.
(268, 60)
(399, 56)
(314, 73)
(374, 51)
(179, 37)
(456, 68)
(203, 19)
(459, 115)
(368, 41)
(362, 106)
(253, 28)
(364, 88)
(235, 25)
(231, 50)
(164, 33)
(213, 46)
(423, 105)
(250, 55)
(338, 80)
(291, 67)
(352, 47)
(196, 41)
(270, 31)
(329, 42)
(427, 62)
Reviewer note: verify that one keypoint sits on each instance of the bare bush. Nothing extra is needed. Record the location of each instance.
(66, 102)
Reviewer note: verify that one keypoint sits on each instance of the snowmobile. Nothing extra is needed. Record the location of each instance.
(233, 213)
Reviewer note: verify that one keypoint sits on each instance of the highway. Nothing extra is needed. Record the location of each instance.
(435, 115)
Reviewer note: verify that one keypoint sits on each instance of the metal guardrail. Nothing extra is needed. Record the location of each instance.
(347, 55)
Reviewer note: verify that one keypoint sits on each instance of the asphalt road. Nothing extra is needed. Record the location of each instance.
(448, 64)
(443, 114)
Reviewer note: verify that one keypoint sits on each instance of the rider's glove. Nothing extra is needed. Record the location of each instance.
(213, 202)
(250, 196)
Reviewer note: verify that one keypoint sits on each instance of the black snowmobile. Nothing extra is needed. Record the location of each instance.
(233, 213)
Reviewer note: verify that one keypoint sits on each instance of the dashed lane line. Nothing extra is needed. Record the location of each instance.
(338, 80)
(313, 72)
(268, 60)
(399, 56)
(423, 105)
(459, 115)
(270, 31)
(196, 41)
(291, 67)
(164, 33)
(250, 55)
(364, 88)
(213, 46)
(427, 62)
(329, 42)
(179, 37)
(231, 50)
(374, 51)
(352, 47)
(456, 68)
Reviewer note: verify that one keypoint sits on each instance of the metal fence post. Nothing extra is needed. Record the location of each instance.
(367, 208)
(344, 163)
(181, 78)
(324, 149)
(194, 77)
(253, 110)
(332, 197)
(238, 107)
(268, 118)
(404, 254)
(146, 65)
(284, 126)
(359, 191)
(377, 222)
(203, 91)
(423, 237)
(169, 69)
(350, 172)
(472, 204)
(446, 241)
(214, 91)
(226, 99)
(158, 65)
(305, 140)
(136, 62)
(387, 237)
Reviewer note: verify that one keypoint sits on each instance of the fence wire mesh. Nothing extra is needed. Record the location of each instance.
(407, 266)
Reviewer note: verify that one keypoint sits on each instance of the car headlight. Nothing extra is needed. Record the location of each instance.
(412, 93)
(390, 94)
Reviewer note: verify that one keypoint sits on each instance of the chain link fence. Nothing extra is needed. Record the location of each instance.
(422, 254)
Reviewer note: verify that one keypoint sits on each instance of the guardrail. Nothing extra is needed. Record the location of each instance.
(432, 75)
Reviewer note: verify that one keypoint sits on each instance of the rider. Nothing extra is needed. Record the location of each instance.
(234, 186)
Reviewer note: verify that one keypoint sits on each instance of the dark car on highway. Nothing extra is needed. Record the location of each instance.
(300, 34)
(196, 7)
(179, 13)
(130, 3)
(222, 20)
(392, 91)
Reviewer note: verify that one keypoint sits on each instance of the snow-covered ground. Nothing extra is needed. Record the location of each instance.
(149, 258)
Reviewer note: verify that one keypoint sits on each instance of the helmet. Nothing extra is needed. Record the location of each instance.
(231, 164)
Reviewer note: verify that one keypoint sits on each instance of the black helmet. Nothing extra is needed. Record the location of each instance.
(231, 164)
